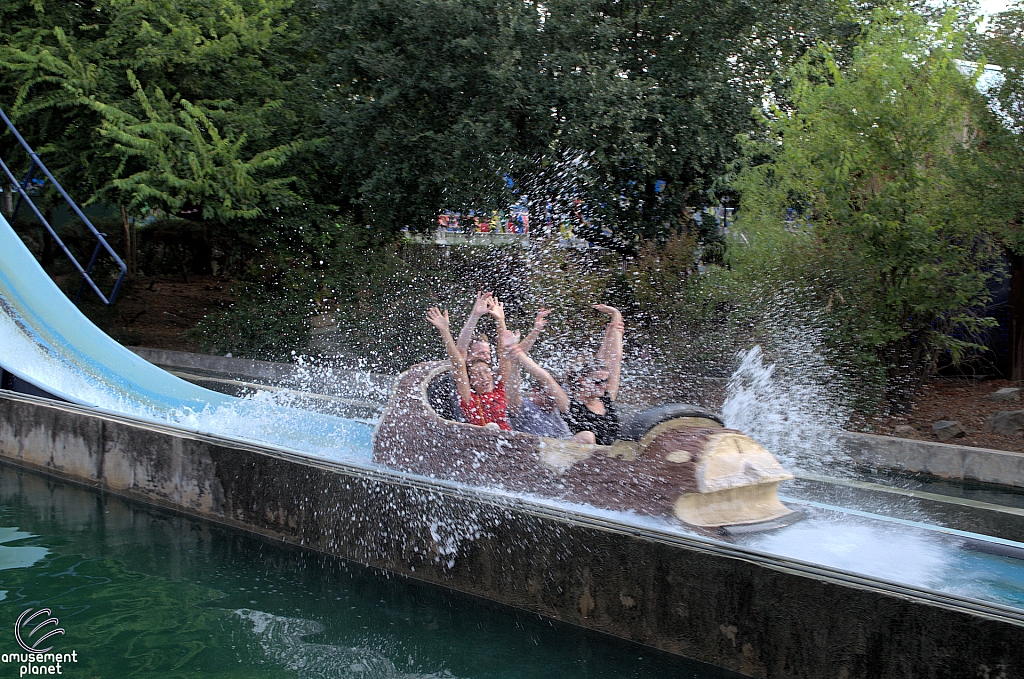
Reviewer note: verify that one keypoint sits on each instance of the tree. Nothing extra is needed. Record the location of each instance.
(874, 159)
(434, 104)
(427, 103)
(186, 166)
(655, 93)
(1002, 185)
(179, 106)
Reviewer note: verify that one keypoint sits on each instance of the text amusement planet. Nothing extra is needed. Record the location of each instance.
(35, 631)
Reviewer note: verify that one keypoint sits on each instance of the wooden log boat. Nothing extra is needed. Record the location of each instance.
(674, 461)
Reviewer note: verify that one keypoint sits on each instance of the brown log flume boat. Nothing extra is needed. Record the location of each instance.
(673, 461)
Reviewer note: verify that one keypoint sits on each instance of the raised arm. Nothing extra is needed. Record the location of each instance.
(439, 319)
(548, 383)
(507, 341)
(480, 308)
(497, 309)
(538, 324)
(610, 354)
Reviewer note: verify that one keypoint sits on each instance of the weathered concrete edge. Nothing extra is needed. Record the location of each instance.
(271, 372)
(733, 609)
(223, 364)
(944, 460)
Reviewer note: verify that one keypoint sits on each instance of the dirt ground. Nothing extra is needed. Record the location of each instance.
(966, 401)
(157, 311)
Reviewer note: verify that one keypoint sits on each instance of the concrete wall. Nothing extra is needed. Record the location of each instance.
(243, 367)
(759, 616)
(314, 380)
(938, 459)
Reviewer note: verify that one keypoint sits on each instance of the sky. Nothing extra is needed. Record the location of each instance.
(990, 7)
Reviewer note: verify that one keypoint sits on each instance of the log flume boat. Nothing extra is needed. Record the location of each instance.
(674, 460)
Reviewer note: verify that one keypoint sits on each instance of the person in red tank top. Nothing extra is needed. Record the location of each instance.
(487, 407)
(481, 397)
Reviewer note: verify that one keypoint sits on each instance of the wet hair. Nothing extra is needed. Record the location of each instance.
(480, 337)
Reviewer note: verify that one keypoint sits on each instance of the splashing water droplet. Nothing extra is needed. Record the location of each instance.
(794, 407)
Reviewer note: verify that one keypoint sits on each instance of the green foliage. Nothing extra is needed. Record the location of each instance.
(431, 103)
(306, 135)
(1003, 46)
(1001, 180)
(187, 166)
(316, 266)
(874, 158)
(172, 105)
(208, 108)
(306, 262)
(423, 100)
(653, 91)
(374, 296)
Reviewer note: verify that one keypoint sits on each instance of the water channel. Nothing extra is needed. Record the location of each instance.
(146, 593)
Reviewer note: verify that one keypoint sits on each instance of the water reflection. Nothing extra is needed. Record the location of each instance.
(149, 594)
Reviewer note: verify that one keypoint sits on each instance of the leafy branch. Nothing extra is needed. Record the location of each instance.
(187, 164)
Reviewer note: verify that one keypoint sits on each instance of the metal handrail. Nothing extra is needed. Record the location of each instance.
(100, 237)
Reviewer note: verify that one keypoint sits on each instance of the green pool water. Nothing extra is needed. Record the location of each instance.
(145, 593)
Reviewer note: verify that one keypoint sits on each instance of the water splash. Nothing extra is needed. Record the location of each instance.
(328, 387)
(865, 547)
(257, 419)
(795, 407)
(338, 376)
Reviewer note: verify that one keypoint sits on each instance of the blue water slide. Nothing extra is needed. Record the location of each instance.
(47, 343)
(41, 311)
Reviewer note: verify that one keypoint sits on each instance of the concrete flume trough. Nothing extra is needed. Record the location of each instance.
(756, 614)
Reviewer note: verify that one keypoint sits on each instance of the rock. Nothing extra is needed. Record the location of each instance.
(947, 430)
(905, 431)
(1007, 394)
(1006, 422)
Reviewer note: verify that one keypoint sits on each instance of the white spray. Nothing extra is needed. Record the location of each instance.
(794, 407)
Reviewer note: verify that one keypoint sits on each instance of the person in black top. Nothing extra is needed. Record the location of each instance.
(591, 416)
(591, 427)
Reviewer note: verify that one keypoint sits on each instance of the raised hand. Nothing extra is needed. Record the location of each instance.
(509, 341)
(610, 353)
(438, 318)
(497, 309)
(482, 303)
(610, 310)
(541, 320)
